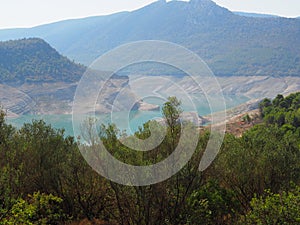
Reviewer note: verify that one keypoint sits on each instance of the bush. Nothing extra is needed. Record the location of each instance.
(37, 209)
(274, 209)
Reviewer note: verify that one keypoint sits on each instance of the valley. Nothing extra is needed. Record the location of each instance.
(253, 56)
(197, 124)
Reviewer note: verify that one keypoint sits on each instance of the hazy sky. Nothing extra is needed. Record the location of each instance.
(28, 13)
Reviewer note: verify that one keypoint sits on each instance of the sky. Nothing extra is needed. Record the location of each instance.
(29, 13)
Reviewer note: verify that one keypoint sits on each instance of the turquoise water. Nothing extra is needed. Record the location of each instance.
(136, 118)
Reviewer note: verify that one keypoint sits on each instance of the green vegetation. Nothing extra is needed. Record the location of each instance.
(37, 209)
(285, 112)
(254, 180)
(33, 60)
(283, 208)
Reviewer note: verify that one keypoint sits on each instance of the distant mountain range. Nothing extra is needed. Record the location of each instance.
(231, 44)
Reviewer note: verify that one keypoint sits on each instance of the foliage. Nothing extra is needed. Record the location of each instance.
(38, 158)
(263, 158)
(36, 209)
(283, 111)
(33, 60)
(283, 208)
(40, 168)
(8, 175)
(162, 203)
(212, 204)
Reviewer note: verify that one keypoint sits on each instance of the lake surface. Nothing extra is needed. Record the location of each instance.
(128, 121)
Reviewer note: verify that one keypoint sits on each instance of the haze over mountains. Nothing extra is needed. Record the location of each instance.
(231, 44)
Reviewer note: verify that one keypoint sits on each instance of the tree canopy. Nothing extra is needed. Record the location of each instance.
(254, 180)
(34, 60)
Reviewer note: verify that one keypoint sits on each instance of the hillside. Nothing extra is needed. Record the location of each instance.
(36, 79)
(231, 44)
(34, 60)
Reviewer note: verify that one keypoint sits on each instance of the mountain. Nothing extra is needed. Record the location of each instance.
(257, 15)
(34, 60)
(36, 79)
(231, 44)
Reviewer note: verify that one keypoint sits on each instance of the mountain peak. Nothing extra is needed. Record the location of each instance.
(208, 9)
(203, 3)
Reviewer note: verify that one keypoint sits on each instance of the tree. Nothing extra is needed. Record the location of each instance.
(36, 209)
(44, 152)
(282, 111)
(165, 202)
(171, 111)
(265, 157)
(273, 209)
(9, 171)
(212, 204)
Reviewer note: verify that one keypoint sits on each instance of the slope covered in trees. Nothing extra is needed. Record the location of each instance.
(34, 60)
(283, 111)
(254, 180)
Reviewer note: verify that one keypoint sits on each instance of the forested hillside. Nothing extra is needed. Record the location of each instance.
(254, 180)
(34, 60)
(285, 112)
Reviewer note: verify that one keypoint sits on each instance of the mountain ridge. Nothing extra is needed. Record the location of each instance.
(229, 43)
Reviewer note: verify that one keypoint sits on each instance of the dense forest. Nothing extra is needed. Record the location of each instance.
(34, 60)
(254, 180)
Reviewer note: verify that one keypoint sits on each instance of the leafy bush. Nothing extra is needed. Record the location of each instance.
(275, 209)
(37, 209)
